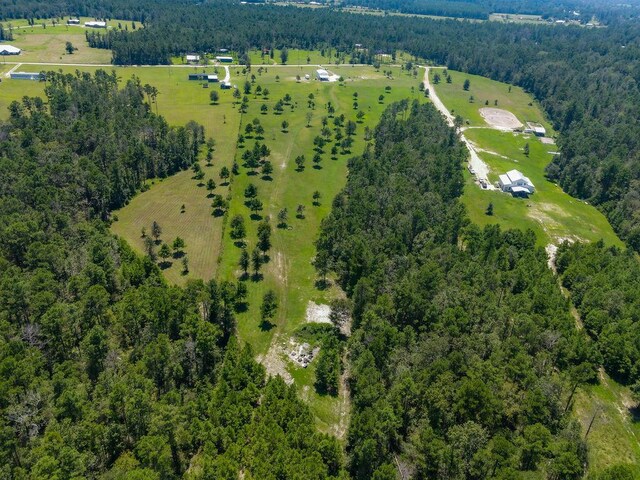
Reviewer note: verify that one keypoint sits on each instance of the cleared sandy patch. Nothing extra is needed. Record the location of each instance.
(318, 313)
(500, 119)
(547, 141)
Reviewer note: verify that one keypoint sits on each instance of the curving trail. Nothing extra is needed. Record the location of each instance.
(480, 168)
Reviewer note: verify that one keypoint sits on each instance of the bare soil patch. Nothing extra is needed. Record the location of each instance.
(500, 119)
(318, 313)
(547, 140)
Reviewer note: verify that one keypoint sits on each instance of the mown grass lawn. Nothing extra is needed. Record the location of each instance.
(485, 93)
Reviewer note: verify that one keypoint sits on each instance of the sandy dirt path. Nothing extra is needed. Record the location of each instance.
(480, 168)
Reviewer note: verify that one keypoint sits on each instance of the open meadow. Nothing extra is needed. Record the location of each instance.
(552, 214)
(45, 41)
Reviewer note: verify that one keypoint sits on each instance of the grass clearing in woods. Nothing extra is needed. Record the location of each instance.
(550, 212)
(485, 92)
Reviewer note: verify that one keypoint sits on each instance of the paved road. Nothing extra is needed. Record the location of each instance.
(480, 168)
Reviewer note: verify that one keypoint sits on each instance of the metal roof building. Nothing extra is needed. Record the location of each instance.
(9, 50)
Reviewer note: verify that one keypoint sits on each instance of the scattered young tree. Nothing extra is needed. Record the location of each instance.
(214, 97)
(526, 149)
(238, 229)
(489, 210)
(285, 126)
(255, 205)
(244, 262)
(256, 261)
(156, 231)
(300, 211)
(283, 215)
(149, 248)
(269, 306)
(284, 55)
(316, 198)
(381, 99)
(164, 252)
(211, 185)
(300, 163)
(317, 159)
(224, 174)
(70, 48)
(185, 265)
(264, 236)
(178, 246)
(251, 191)
(267, 169)
(466, 84)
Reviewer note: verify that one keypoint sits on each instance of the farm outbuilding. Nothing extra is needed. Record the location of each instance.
(26, 76)
(73, 21)
(193, 58)
(535, 129)
(9, 50)
(516, 183)
(198, 76)
(322, 75)
(95, 24)
(223, 59)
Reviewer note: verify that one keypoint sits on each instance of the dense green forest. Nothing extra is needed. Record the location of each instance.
(605, 287)
(481, 9)
(464, 356)
(586, 79)
(106, 370)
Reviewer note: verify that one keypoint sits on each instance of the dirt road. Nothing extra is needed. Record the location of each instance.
(480, 169)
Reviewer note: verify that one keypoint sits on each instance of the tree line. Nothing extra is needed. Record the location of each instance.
(603, 282)
(464, 357)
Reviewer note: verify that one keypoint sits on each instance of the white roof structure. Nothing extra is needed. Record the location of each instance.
(322, 74)
(95, 24)
(9, 50)
(193, 58)
(515, 182)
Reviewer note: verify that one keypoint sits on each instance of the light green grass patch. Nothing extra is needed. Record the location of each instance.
(48, 46)
(614, 437)
(485, 90)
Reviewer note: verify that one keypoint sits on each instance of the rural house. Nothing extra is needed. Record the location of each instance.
(516, 183)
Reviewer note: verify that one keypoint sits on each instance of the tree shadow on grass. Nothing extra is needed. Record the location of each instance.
(218, 212)
(241, 307)
(322, 284)
(266, 325)
(165, 264)
(255, 216)
(256, 277)
(267, 178)
(317, 167)
(240, 243)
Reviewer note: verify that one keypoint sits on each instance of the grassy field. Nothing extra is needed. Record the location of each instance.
(290, 272)
(45, 42)
(179, 101)
(608, 405)
(550, 212)
(485, 92)
(49, 47)
(62, 23)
